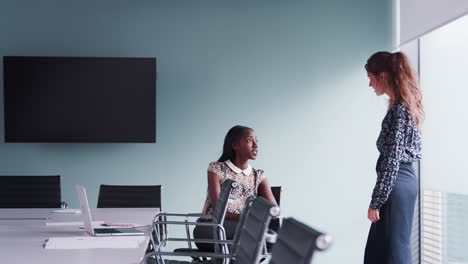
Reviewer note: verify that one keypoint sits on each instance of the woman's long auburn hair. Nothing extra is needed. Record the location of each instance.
(401, 78)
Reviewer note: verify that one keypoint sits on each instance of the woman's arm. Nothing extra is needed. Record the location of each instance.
(393, 147)
(214, 188)
(264, 190)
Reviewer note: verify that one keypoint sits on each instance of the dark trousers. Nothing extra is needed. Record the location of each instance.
(389, 238)
(206, 232)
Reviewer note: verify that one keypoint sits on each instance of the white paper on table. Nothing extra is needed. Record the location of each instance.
(94, 242)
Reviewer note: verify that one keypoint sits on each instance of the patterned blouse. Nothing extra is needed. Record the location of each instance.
(399, 142)
(248, 181)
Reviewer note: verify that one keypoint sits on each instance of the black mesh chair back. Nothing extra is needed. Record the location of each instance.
(251, 237)
(129, 196)
(297, 242)
(30, 192)
(218, 215)
(241, 224)
(221, 205)
(219, 212)
(275, 223)
(276, 190)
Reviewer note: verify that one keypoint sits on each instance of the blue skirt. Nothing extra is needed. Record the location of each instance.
(389, 240)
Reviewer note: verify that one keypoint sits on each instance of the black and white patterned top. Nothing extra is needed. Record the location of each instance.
(399, 142)
(248, 182)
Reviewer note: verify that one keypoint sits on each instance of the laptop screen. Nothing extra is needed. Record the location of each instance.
(85, 211)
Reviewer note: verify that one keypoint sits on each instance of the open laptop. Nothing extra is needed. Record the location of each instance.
(88, 222)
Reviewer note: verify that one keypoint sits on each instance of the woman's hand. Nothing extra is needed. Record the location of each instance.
(373, 215)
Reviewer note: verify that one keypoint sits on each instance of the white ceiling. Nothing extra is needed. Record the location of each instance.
(419, 17)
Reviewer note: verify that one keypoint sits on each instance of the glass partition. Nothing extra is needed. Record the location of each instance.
(444, 167)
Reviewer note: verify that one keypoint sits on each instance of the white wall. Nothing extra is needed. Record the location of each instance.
(293, 70)
(444, 78)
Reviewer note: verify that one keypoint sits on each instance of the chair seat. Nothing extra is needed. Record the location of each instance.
(185, 262)
(153, 261)
(188, 262)
(192, 250)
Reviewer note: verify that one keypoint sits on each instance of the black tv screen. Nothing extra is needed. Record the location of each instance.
(79, 99)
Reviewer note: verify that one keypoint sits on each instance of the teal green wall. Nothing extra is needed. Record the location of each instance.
(293, 70)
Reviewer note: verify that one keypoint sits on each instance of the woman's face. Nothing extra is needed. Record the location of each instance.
(247, 148)
(377, 82)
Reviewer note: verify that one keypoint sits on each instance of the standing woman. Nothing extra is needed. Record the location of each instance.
(240, 146)
(399, 143)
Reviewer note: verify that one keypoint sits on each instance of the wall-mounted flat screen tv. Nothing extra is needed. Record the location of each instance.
(79, 99)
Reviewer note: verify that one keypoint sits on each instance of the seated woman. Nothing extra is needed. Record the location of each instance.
(240, 146)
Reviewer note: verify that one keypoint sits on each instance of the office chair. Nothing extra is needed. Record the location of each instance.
(30, 192)
(246, 247)
(297, 242)
(225, 248)
(160, 222)
(230, 246)
(129, 196)
(274, 226)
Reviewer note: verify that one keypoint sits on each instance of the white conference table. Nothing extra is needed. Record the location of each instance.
(22, 241)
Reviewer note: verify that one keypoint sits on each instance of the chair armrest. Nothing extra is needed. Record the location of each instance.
(187, 223)
(208, 241)
(181, 215)
(188, 254)
(160, 240)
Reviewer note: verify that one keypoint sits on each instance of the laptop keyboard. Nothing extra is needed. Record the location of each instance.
(115, 230)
